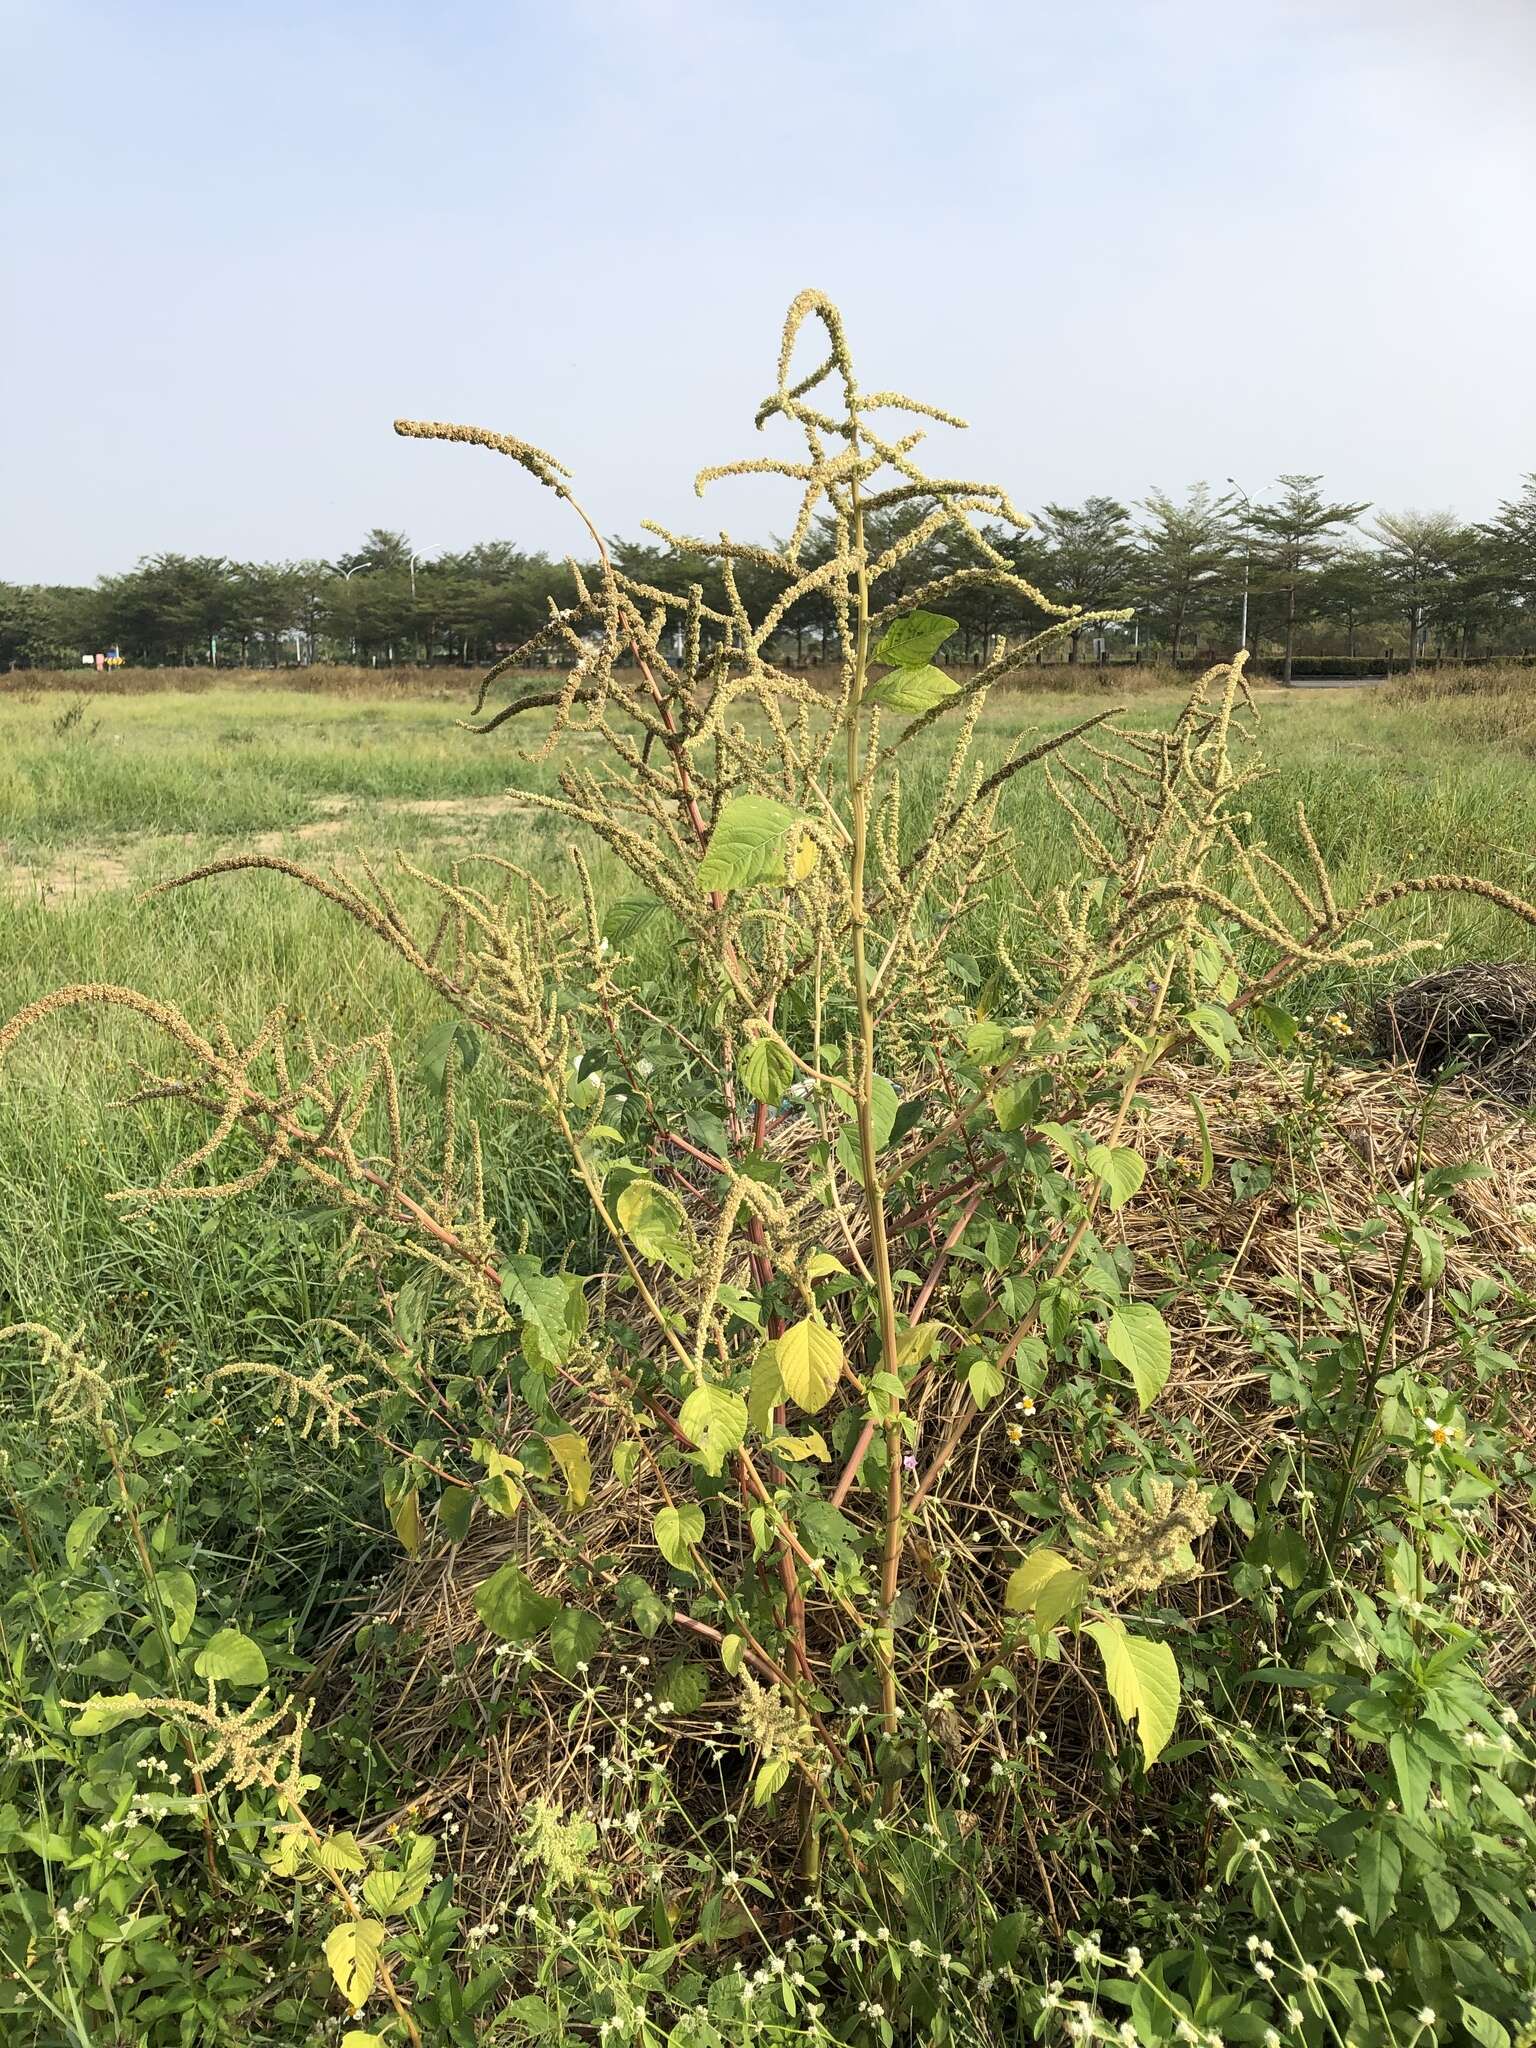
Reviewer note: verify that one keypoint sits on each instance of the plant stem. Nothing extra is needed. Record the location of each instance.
(858, 801)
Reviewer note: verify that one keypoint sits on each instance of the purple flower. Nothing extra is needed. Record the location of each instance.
(909, 1462)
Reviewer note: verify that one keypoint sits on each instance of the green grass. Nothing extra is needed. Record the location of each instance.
(169, 779)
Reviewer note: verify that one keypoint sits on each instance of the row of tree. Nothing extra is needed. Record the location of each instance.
(1293, 572)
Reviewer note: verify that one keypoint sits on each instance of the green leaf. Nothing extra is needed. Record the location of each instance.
(1410, 1766)
(810, 1360)
(542, 1300)
(1138, 1337)
(154, 1440)
(676, 1531)
(1280, 1024)
(652, 1218)
(1380, 1864)
(511, 1607)
(1061, 1595)
(747, 845)
(987, 1041)
(178, 1589)
(83, 1531)
(733, 1653)
(626, 1460)
(912, 690)
(884, 1108)
(1015, 1105)
(766, 1391)
(1482, 2026)
(1216, 1030)
(1120, 1169)
(627, 916)
(716, 1420)
(434, 1053)
(574, 1638)
(353, 1951)
(570, 1453)
(985, 1382)
(766, 1071)
(1143, 1681)
(454, 1511)
(683, 1684)
(1007, 1933)
(914, 640)
(233, 1657)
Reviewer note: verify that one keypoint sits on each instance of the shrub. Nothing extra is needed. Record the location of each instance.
(875, 1656)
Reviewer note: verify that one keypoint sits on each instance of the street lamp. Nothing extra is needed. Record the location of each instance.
(1247, 552)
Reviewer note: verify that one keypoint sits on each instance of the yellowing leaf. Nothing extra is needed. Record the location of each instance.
(1026, 1580)
(653, 1220)
(771, 1779)
(1143, 1681)
(339, 1852)
(570, 1453)
(796, 1449)
(766, 1390)
(352, 1950)
(810, 1357)
(676, 1530)
(405, 1520)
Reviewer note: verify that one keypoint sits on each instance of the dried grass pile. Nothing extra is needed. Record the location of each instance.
(1479, 1019)
(1294, 1165)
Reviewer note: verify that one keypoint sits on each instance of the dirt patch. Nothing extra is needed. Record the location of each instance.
(82, 872)
(70, 877)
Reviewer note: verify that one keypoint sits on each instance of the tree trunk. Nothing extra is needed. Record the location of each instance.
(1413, 639)
(1290, 632)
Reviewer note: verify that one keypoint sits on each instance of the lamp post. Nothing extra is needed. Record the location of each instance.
(1247, 553)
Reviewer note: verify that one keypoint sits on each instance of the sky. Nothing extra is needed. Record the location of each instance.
(1135, 243)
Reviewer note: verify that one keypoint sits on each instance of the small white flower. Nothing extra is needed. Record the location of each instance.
(1426, 2015)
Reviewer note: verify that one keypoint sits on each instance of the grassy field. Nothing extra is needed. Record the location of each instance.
(143, 786)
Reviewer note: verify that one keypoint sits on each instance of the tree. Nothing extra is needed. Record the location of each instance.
(1349, 591)
(1184, 554)
(1417, 549)
(1511, 544)
(1296, 535)
(1090, 556)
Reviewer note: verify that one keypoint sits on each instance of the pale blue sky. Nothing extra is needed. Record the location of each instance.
(1135, 242)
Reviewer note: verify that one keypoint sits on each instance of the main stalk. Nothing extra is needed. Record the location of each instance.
(858, 799)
